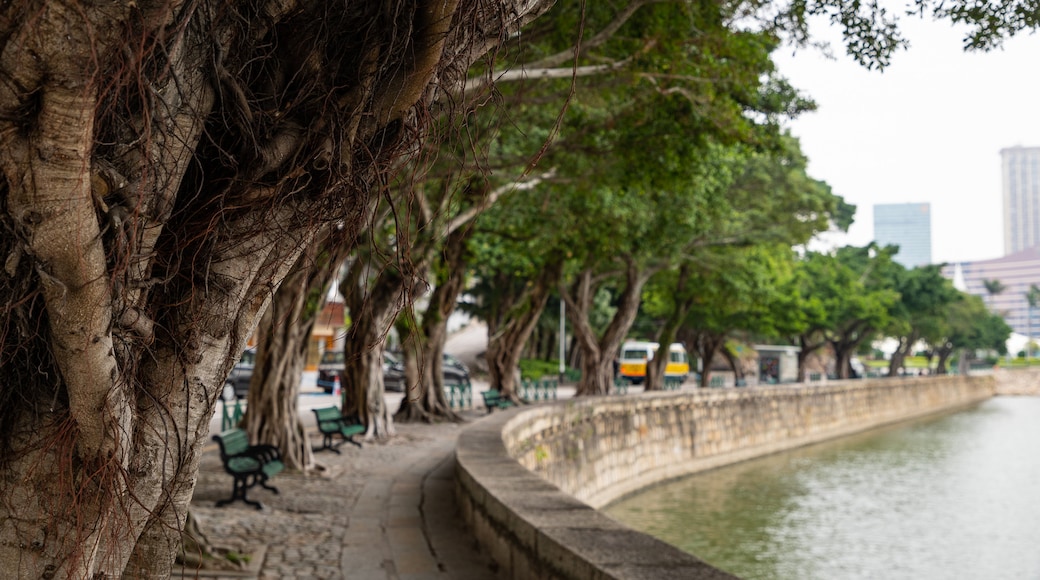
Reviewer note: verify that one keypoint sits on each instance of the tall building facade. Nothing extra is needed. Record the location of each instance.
(909, 226)
(1020, 170)
(1016, 273)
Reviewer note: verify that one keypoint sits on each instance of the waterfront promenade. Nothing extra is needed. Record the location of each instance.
(386, 511)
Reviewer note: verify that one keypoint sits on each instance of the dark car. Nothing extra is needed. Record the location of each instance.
(455, 372)
(237, 383)
(332, 365)
(329, 367)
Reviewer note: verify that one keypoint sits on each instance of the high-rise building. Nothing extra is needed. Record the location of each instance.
(909, 226)
(1016, 274)
(1020, 168)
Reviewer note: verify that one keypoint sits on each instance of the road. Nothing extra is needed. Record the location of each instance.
(468, 344)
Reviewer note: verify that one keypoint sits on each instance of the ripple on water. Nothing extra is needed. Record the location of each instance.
(952, 497)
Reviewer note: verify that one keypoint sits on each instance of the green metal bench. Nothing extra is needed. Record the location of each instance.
(494, 400)
(621, 386)
(332, 423)
(250, 465)
(672, 383)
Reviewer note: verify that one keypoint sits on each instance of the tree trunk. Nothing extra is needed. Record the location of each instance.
(362, 378)
(374, 301)
(655, 369)
(964, 362)
(597, 353)
(283, 337)
(734, 362)
(706, 345)
(507, 342)
(425, 400)
(843, 358)
(899, 356)
(162, 167)
(944, 359)
(845, 343)
(429, 403)
(807, 349)
(272, 411)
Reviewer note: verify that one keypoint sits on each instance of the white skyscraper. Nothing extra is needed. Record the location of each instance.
(1020, 168)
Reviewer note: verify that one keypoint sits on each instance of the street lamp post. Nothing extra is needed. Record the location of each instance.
(563, 338)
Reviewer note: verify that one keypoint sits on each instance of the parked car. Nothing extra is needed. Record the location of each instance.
(329, 367)
(454, 371)
(393, 373)
(237, 383)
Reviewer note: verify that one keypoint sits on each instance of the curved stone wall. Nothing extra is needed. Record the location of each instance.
(528, 480)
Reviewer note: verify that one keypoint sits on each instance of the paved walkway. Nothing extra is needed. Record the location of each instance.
(386, 511)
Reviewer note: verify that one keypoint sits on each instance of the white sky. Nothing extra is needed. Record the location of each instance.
(927, 129)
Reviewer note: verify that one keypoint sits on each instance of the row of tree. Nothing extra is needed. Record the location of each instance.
(172, 172)
(657, 188)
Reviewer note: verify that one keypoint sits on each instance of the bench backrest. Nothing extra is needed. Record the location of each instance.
(327, 414)
(232, 441)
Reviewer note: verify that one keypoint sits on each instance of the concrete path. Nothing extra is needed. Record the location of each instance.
(385, 511)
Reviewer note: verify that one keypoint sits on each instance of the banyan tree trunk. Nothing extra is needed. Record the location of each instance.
(272, 410)
(506, 341)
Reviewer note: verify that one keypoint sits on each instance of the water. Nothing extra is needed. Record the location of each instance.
(956, 497)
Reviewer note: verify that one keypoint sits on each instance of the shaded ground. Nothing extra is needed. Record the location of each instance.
(384, 511)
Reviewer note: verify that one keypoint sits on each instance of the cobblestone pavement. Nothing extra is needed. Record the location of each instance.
(385, 511)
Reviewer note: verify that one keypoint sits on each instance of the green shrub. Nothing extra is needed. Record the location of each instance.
(535, 369)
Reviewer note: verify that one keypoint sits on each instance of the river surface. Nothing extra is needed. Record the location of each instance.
(955, 497)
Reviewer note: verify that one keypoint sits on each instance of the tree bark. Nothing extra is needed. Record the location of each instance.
(506, 340)
(655, 369)
(706, 345)
(807, 349)
(943, 353)
(272, 415)
(427, 402)
(906, 345)
(597, 352)
(734, 362)
(283, 337)
(162, 167)
(845, 342)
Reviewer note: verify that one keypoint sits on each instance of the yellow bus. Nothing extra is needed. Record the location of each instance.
(636, 353)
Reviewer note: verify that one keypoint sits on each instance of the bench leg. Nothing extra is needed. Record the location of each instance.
(263, 483)
(238, 492)
(326, 443)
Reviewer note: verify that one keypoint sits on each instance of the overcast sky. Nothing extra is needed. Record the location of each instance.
(927, 129)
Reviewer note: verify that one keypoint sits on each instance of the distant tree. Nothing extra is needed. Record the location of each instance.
(730, 299)
(924, 294)
(1033, 300)
(966, 325)
(857, 293)
(993, 288)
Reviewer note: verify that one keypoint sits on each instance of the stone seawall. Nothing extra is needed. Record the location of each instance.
(1018, 381)
(529, 479)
